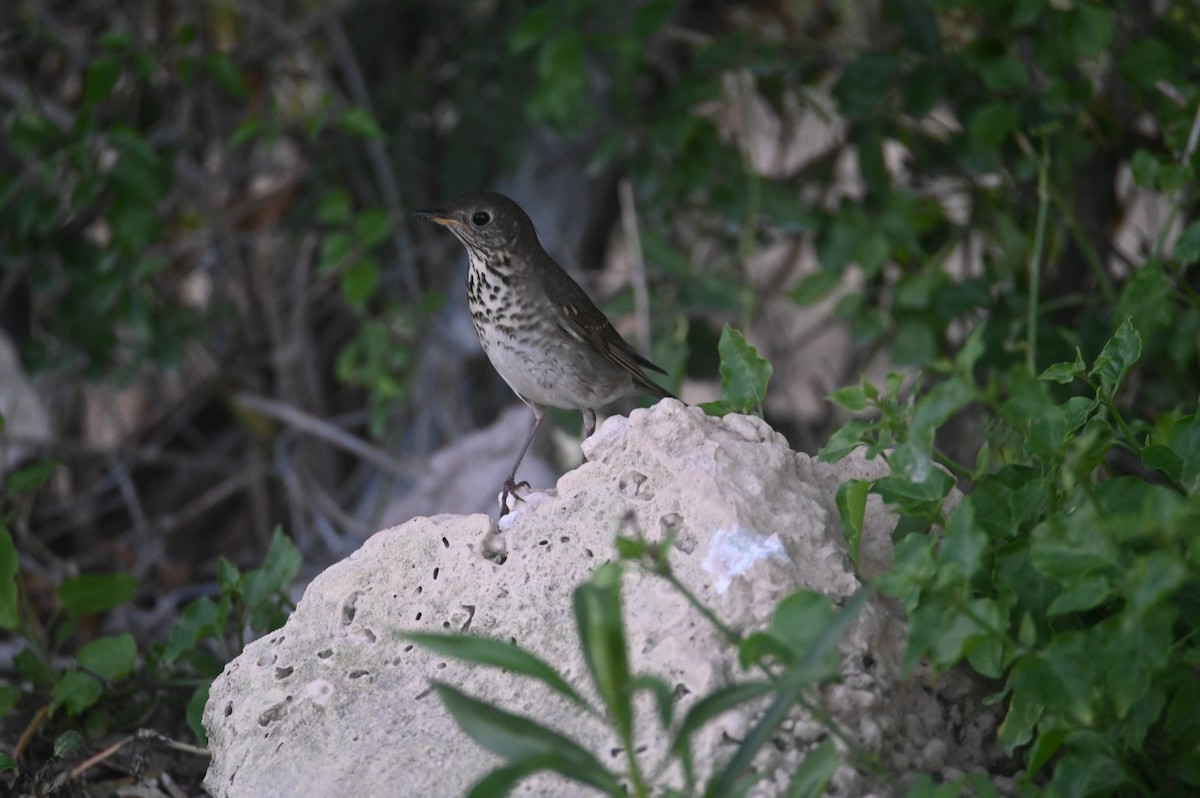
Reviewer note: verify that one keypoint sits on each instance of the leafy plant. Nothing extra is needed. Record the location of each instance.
(254, 601)
(110, 682)
(1069, 581)
(797, 651)
(744, 376)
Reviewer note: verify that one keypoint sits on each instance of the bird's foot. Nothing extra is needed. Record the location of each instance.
(511, 486)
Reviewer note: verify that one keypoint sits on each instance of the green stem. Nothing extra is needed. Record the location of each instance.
(730, 636)
(640, 789)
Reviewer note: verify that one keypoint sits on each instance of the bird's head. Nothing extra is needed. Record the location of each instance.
(485, 220)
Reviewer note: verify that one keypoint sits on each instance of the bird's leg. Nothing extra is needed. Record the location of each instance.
(511, 484)
(589, 424)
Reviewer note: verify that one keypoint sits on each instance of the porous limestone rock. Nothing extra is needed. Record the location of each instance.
(336, 703)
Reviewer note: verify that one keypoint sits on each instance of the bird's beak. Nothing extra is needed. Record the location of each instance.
(440, 216)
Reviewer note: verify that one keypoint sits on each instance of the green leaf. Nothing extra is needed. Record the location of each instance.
(929, 486)
(852, 397)
(651, 16)
(519, 740)
(920, 26)
(335, 207)
(336, 248)
(990, 125)
(729, 779)
(938, 405)
(229, 578)
(852, 507)
(68, 744)
(964, 543)
(664, 697)
(9, 564)
(203, 618)
(372, 227)
(812, 777)
(497, 654)
(1147, 61)
(35, 669)
(360, 282)
(824, 644)
(226, 74)
(864, 84)
(815, 287)
(533, 28)
(279, 569)
(30, 478)
(359, 122)
(76, 691)
(502, 781)
(1047, 744)
(715, 704)
(1187, 248)
(1176, 451)
(100, 78)
(602, 637)
(1119, 354)
(1064, 372)
(972, 349)
(1089, 29)
(1088, 592)
(195, 713)
(7, 762)
(9, 696)
(110, 657)
(1145, 167)
(1003, 73)
(849, 437)
(802, 622)
(92, 593)
(251, 128)
(744, 375)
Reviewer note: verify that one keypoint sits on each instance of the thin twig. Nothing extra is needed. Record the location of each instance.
(637, 264)
(385, 174)
(304, 422)
(1035, 258)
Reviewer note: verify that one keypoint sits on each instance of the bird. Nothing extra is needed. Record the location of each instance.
(539, 329)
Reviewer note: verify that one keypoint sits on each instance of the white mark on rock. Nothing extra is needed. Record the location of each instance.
(734, 551)
(319, 691)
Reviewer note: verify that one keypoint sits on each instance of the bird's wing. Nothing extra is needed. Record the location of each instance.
(580, 318)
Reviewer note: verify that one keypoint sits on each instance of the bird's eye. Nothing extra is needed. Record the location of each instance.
(481, 218)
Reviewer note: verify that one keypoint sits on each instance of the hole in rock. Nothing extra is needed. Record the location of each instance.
(358, 674)
(350, 608)
(445, 543)
(419, 616)
(283, 673)
(436, 571)
(325, 654)
(633, 484)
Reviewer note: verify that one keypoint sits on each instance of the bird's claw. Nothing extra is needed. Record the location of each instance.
(511, 486)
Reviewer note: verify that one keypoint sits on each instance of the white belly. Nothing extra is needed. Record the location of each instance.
(557, 373)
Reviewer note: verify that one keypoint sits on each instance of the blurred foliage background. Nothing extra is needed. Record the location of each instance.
(230, 322)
